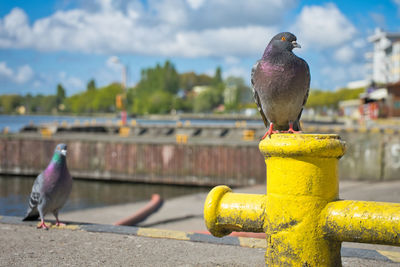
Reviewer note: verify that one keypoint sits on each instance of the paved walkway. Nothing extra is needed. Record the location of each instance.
(93, 244)
(21, 244)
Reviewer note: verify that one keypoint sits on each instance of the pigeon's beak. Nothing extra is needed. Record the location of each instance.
(64, 152)
(295, 44)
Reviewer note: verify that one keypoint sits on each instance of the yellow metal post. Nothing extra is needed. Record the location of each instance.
(302, 173)
(301, 214)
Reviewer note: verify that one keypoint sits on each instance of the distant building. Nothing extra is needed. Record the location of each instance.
(375, 104)
(393, 99)
(385, 56)
(198, 89)
(350, 108)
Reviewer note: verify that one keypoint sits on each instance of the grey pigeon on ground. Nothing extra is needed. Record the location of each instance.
(51, 189)
(280, 82)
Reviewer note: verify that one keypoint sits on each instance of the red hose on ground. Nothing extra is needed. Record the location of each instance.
(154, 204)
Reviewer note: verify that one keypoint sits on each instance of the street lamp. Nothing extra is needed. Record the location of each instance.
(117, 61)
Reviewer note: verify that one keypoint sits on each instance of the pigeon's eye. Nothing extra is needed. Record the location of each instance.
(283, 38)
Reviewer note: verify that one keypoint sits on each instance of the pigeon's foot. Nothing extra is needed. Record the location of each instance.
(270, 131)
(291, 129)
(42, 225)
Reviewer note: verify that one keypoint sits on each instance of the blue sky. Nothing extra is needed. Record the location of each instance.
(43, 43)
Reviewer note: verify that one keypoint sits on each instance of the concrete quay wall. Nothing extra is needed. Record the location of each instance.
(112, 158)
(372, 154)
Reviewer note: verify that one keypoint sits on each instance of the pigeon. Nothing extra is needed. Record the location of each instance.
(280, 82)
(51, 189)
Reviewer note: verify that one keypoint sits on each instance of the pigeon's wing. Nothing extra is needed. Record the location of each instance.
(32, 211)
(296, 125)
(308, 79)
(256, 97)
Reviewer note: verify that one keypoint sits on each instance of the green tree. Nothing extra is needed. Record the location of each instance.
(100, 100)
(48, 104)
(204, 79)
(188, 80)
(207, 100)
(60, 96)
(28, 102)
(217, 80)
(163, 81)
(320, 98)
(9, 103)
(160, 102)
(236, 93)
(104, 99)
(91, 85)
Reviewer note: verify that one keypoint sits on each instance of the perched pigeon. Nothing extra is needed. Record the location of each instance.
(281, 82)
(51, 188)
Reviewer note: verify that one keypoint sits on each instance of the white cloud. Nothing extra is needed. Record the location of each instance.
(24, 74)
(337, 46)
(75, 83)
(344, 54)
(231, 60)
(167, 28)
(20, 76)
(71, 84)
(225, 13)
(340, 75)
(5, 71)
(379, 19)
(323, 27)
(37, 84)
(237, 72)
(195, 4)
(238, 41)
(112, 63)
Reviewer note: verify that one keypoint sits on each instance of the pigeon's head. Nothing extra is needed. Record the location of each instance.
(61, 149)
(284, 40)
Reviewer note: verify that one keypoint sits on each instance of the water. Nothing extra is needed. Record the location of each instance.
(16, 122)
(15, 190)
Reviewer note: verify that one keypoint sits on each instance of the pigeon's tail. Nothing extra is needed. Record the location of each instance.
(31, 215)
(296, 125)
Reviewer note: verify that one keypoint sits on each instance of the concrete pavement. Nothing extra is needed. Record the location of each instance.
(106, 245)
(93, 244)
